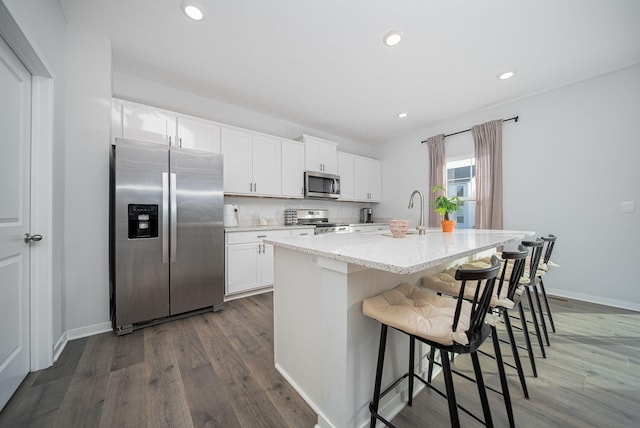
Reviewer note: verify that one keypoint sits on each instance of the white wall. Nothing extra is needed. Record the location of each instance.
(568, 164)
(86, 297)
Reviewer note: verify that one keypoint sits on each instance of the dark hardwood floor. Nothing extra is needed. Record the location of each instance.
(217, 370)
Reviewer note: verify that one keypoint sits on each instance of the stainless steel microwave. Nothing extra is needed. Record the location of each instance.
(321, 185)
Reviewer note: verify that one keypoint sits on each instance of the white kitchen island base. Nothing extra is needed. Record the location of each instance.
(323, 344)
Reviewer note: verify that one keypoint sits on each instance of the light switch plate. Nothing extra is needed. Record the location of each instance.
(628, 206)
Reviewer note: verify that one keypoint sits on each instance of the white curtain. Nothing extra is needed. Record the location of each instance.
(488, 149)
(437, 171)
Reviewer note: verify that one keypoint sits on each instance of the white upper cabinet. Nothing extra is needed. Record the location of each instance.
(346, 173)
(267, 165)
(255, 164)
(292, 169)
(237, 151)
(144, 123)
(198, 134)
(252, 163)
(368, 179)
(320, 155)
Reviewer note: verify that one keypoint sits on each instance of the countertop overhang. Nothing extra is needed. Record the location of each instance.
(401, 255)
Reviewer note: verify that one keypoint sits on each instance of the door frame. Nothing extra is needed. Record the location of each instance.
(42, 131)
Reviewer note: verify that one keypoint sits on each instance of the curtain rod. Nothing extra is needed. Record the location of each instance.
(514, 118)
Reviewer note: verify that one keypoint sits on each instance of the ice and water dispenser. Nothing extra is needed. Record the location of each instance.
(143, 221)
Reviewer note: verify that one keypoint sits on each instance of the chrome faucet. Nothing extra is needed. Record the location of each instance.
(420, 228)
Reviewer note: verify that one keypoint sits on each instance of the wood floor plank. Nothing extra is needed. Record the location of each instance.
(253, 407)
(166, 400)
(217, 370)
(207, 408)
(125, 397)
(130, 350)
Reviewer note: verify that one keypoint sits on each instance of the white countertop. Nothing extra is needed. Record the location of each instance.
(401, 255)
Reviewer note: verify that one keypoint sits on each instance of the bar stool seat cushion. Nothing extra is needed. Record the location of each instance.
(420, 313)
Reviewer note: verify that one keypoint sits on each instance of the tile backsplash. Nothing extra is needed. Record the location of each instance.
(252, 209)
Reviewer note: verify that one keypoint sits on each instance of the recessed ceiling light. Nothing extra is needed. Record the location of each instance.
(192, 10)
(392, 38)
(506, 75)
(403, 114)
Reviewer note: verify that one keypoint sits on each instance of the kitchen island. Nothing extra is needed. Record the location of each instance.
(323, 344)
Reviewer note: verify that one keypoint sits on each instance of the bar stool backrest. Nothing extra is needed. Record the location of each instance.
(550, 240)
(480, 303)
(513, 265)
(536, 252)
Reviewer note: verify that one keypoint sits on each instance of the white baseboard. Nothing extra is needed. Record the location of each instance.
(78, 333)
(391, 407)
(593, 299)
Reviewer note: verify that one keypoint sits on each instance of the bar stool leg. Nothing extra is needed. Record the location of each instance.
(546, 302)
(488, 421)
(540, 311)
(516, 354)
(412, 352)
(527, 339)
(432, 357)
(451, 394)
(503, 377)
(373, 407)
(534, 318)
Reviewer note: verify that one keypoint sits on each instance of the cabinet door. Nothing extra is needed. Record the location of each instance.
(375, 180)
(266, 265)
(198, 135)
(236, 147)
(367, 179)
(266, 165)
(330, 158)
(346, 171)
(312, 154)
(144, 123)
(292, 169)
(243, 267)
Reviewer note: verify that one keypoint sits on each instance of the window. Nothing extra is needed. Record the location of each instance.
(461, 182)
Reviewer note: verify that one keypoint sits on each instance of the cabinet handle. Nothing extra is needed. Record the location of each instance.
(169, 139)
(255, 187)
(261, 236)
(250, 187)
(303, 234)
(259, 249)
(180, 141)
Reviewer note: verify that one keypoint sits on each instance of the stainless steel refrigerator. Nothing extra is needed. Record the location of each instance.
(167, 234)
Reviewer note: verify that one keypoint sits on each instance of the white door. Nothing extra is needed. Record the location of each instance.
(15, 159)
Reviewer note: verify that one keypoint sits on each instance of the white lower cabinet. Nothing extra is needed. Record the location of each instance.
(249, 261)
(370, 228)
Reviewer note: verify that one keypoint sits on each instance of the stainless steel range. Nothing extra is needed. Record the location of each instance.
(317, 218)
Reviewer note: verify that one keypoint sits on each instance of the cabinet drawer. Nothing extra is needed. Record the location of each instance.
(256, 236)
(302, 232)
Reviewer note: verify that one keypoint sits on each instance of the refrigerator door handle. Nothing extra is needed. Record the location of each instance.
(165, 217)
(174, 217)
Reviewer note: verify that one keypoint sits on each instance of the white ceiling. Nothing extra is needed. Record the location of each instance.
(322, 64)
